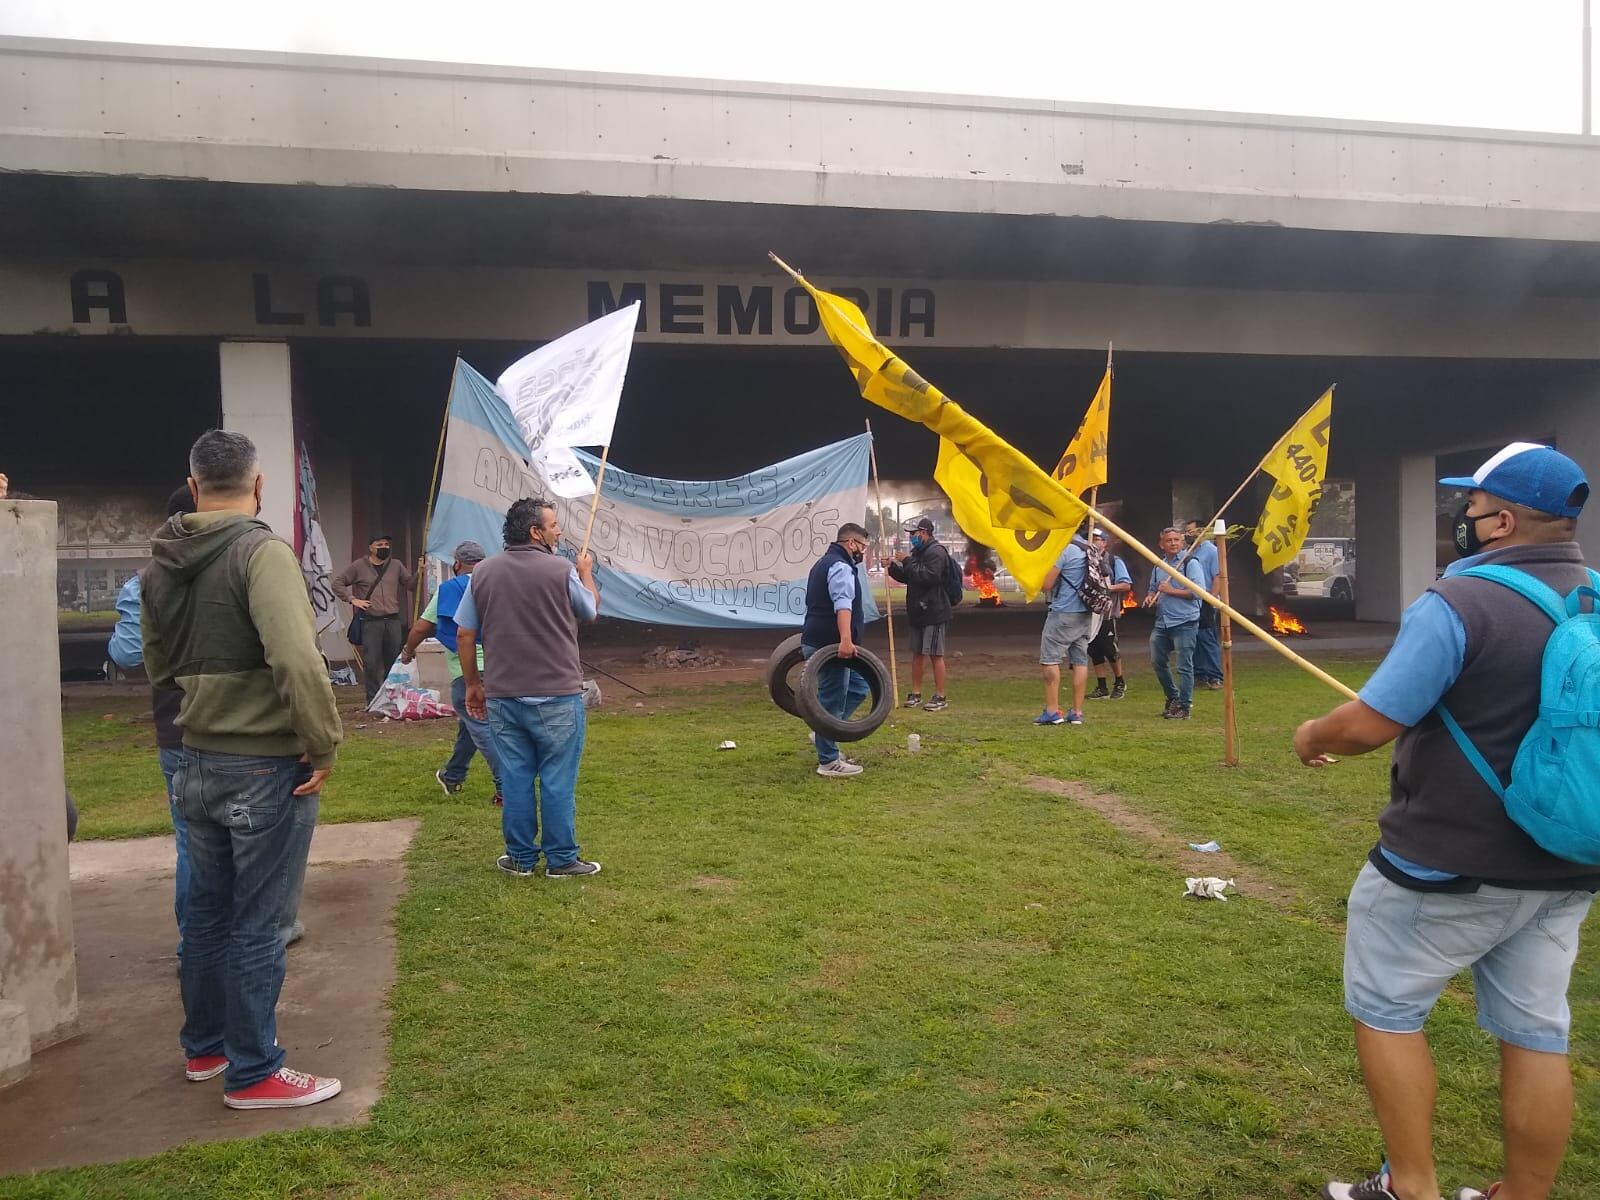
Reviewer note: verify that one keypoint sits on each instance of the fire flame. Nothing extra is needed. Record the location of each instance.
(1128, 601)
(1284, 621)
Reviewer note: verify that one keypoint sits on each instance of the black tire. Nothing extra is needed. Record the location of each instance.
(827, 725)
(784, 660)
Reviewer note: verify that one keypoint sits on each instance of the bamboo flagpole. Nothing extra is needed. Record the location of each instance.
(883, 538)
(594, 505)
(1230, 748)
(1176, 575)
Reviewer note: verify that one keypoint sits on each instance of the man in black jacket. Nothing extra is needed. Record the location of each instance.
(924, 571)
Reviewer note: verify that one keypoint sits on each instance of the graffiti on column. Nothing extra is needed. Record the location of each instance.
(316, 561)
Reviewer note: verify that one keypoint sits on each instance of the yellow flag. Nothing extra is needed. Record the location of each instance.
(1083, 466)
(1299, 464)
(1020, 495)
(1027, 555)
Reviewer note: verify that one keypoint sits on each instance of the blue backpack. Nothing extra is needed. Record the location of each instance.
(1554, 793)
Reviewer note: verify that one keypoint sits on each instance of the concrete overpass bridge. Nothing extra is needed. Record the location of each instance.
(266, 237)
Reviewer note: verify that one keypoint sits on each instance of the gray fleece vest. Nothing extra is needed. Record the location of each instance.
(525, 613)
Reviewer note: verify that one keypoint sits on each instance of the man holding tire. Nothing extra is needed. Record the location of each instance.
(833, 618)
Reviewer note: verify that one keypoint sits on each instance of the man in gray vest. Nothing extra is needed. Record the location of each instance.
(527, 603)
(1453, 882)
(225, 619)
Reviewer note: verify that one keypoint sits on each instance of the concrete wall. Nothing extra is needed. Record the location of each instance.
(255, 117)
(257, 401)
(38, 975)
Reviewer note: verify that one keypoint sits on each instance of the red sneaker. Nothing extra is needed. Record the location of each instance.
(283, 1089)
(207, 1066)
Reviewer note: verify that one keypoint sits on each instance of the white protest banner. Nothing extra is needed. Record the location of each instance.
(565, 394)
(316, 560)
(729, 553)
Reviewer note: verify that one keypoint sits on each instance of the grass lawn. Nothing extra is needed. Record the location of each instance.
(932, 981)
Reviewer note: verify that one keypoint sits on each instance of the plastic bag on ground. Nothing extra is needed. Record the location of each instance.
(402, 698)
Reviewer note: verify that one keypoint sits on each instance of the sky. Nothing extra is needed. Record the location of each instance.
(1500, 64)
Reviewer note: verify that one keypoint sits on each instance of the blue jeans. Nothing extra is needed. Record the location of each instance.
(1179, 640)
(180, 828)
(539, 743)
(471, 734)
(1208, 653)
(248, 840)
(841, 691)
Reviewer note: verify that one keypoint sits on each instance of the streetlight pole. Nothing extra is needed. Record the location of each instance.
(1588, 74)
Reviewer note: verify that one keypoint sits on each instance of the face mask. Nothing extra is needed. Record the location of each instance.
(857, 555)
(1466, 539)
(916, 541)
(381, 553)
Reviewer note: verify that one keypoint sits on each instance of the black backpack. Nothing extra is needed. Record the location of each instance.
(954, 589)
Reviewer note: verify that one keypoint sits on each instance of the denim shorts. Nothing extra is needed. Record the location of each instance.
(1066, 635)
(1403, 946)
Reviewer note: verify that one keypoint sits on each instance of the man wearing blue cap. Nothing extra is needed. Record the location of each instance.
(1453, 882)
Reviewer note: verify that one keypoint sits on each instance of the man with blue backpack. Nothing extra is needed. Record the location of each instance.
(439, 620)
(1489, 849)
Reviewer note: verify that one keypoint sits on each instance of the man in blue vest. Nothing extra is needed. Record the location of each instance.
(439, 620)
(833, 618)
(1453, 882)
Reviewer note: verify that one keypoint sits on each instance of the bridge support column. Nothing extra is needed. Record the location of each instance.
(38, 969)
(258, 401)
(1394, 534)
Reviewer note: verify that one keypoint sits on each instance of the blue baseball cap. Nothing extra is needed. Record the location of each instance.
(1534, 476)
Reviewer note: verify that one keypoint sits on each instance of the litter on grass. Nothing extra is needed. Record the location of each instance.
(1206, 887)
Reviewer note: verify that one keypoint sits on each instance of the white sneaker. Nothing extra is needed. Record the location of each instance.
(839, 768)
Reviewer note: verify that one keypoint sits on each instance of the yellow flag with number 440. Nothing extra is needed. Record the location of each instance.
(1298, 465)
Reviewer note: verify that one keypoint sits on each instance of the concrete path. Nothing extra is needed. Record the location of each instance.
(117, 1091)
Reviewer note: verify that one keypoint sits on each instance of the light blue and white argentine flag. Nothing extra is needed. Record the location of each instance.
(727, 553)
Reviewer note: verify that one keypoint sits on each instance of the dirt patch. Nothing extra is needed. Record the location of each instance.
(1166, 846)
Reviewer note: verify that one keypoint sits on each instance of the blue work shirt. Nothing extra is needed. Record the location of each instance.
(1206, 555)
(1177, 610)
(1119, 571)
(842, 580)
(1073, 564)
(1422, 665)
(127, 642)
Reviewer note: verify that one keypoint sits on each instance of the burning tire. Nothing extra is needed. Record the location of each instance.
(881, 699)
(783, 661)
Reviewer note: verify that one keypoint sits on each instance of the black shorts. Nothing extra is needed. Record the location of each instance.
(1103, 648)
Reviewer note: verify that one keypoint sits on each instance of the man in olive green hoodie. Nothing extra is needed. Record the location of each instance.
(226, 619)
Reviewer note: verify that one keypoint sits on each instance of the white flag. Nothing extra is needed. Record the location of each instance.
(565, 394)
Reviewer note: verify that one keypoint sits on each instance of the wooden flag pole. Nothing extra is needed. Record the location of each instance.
(883, 539)
(594, 505)
(433, 491)
(1230, 749)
